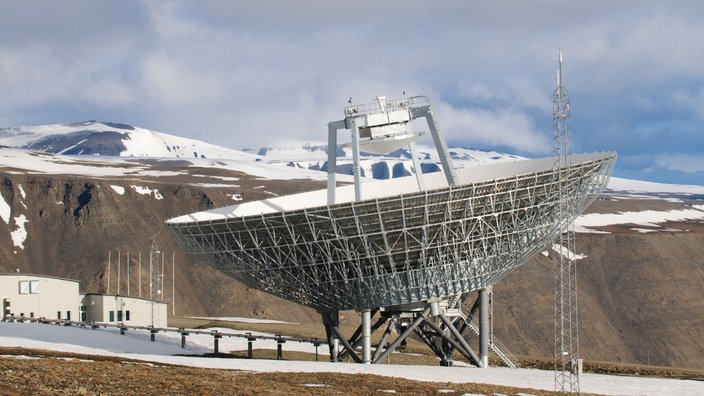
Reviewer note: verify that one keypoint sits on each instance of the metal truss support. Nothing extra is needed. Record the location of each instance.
(333, 127)
(465, 349)
(331, 320)
(432, 326)
(439, 140)
(393, 321)
(356, 170)
(402, 337)
(484, 327)
(356, 118)
(416, 166)
(366, 336)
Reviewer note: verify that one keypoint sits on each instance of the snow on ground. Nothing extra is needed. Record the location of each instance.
(19, 234)
(141, 190)
(566, 253)
(135, 344)
(241, 320)
(637, 186)
(102, 166)
(5, 210)
(647, 218)
(118, 189)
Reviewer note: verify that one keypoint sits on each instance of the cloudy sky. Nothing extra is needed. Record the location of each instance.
(253, 73)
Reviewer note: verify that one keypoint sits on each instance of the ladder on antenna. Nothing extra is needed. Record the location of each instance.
(565, 275)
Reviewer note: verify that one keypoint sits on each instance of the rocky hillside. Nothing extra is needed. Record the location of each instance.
(639, 288)
(640, 293)
(68, 226)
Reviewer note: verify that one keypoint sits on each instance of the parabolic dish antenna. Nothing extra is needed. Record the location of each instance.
(394, 243)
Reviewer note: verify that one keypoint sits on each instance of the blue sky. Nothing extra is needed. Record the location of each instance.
(253, 73)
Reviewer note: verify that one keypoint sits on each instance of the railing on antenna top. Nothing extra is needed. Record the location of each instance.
(389, 105)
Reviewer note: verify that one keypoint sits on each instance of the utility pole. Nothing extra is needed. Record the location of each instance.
(567, 362)
(153, 278)
(173, 283)
(108, 291)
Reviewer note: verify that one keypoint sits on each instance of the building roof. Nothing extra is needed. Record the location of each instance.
(28, 275)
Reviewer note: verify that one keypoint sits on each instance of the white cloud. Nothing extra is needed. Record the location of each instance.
(690, 99)
(688, 163)
(243, 73)
(485, 128)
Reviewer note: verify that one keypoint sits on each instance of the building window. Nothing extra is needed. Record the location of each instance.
(127, 316)
(29, 287)
(119, 316)
(112, 316)
(68, 315)
(58, 314)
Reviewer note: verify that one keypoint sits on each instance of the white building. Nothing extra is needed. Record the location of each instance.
(131, 311)
(38, 296)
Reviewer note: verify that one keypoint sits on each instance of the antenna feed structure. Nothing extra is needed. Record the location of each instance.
(381, 127)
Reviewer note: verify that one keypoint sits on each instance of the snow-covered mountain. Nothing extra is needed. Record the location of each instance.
(111, 139)
(92, 138)
(90, 147)
(313, 155)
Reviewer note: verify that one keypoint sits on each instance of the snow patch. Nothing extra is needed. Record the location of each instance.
(215, 185)
(637, 186)
(66, 150)
(235, 197)
(22, 193)
(19, 235)
(5, 210)
(147, 191)
(646, 218)
(643, 230)
(118, 189)
(568, 254)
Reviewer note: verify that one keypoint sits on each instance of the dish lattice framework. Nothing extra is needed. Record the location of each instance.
(388, 249)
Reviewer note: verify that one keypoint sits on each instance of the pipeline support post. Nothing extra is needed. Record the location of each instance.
(279, 347)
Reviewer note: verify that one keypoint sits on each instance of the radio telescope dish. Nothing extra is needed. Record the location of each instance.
(394, 243)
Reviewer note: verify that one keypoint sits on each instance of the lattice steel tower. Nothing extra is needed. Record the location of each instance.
(567, 361)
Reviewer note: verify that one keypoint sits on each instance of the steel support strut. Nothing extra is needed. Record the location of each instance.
(403, 335)
(484, 327)
(366, 336)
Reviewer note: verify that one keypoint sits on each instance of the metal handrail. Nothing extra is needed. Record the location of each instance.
(389, 105)
(180, 330)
